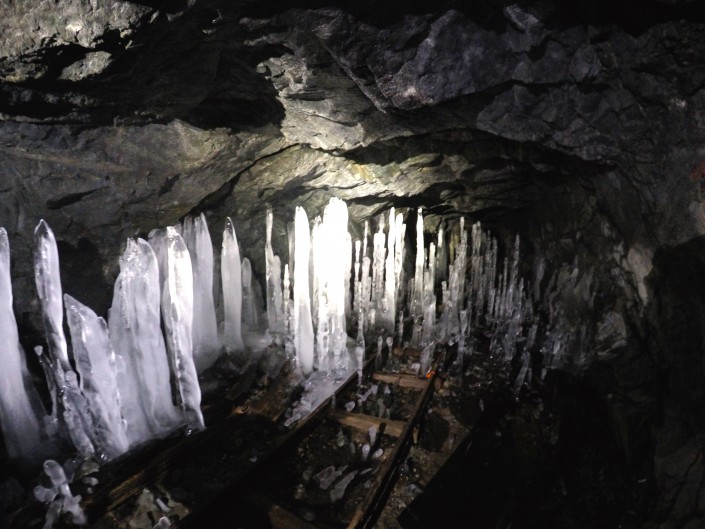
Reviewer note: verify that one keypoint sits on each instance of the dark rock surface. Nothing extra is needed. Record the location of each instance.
(583, 127)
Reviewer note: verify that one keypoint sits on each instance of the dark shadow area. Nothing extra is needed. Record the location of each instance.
(547, 461)
(677, 292)
(82, 275)
(634, 15)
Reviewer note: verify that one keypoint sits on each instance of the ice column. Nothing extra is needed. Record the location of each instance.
(205, 328)
(95, 363)
(232, 276)
(48, 280)
(441, 256)
(136, 338)
(417, 305)
(335, 229)
(378, 266)
(303, 326)
(389, 303)
(275, 308)
(19, 419)
(250, 318)
(177, 314)
(400, 232)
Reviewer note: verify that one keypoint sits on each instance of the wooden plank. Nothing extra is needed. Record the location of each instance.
(364, 422)
(210, 515)
(404, 380)
(366, 514)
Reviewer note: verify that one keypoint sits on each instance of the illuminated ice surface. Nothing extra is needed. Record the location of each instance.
(19, 418)
(95, 363)
(232, 278)
(48, 281)
(303, 326)
(177, 316)
(206, 346)
(136, 338)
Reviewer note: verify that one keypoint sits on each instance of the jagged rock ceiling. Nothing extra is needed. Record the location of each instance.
(581, 125)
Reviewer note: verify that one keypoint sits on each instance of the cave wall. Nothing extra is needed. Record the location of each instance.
(580, 128)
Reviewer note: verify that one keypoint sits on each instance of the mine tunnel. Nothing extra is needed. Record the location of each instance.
(299, 264)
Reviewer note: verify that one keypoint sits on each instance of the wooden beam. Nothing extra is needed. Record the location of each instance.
(364, 422)
(404, 380)
(366, 514)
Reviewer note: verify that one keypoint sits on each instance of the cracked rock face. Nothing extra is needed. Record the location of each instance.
(584, 129)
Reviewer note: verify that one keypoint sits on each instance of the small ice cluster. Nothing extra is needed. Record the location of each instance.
(58, 496)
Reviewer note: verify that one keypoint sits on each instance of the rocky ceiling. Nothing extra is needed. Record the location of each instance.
(582, 126)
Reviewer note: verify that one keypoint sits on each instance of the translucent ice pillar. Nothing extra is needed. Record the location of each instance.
(95, 363)
(48, 281)
(250, 317)
(275, 307)
(231, 273)
(205, 328)
(389, 303)
(417, 306)
(136, 338)
(177, 314)
(303, 326)
(19, 419)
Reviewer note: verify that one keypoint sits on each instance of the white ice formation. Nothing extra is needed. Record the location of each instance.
(232, 274)
(206, 345)
(136, 379)
(20, 420)
(303, 325)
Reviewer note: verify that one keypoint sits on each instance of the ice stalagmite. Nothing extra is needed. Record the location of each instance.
(231, 273)
(19, 419)
(336, 264)
(95, 363)
(275, 303)
(389, 311)
(48, 281)
(303, 326)
(378, 241)
(177, 314)
(250, 318)
(136, 338)
(400, 232)
(417, 302)
(205, 328)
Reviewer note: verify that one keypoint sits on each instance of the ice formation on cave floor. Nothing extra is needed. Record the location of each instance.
(458, 288)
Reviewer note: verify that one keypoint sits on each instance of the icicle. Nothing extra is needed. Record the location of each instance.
(429, 323)
(399, 252)
(48, 281)
(177, 314)
(136, 338)
(250, 317)
(95, 362)
(417, 306)
(275, 308)
(337, 255)
(378, 266)
(232, 278)
(19, 404)
(441, 256)
(389, 302)
(360, 352)
(286, 297)
(303, 326)
(206, 346)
